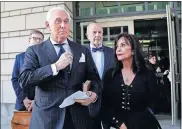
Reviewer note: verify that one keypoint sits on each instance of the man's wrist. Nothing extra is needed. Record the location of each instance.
(54, 69)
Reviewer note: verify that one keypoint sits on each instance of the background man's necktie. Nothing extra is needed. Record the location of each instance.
(97, 49)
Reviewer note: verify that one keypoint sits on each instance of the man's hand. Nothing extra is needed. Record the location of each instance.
(64, 60)
(27, 102)
(86, 102)
(31, 106)
(123, 126)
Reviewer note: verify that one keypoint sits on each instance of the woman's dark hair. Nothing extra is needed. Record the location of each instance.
(138, 60)
(151, 54)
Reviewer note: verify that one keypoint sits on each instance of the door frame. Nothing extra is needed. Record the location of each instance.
(174, 66)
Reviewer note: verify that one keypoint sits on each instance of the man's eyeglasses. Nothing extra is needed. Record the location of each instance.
(36, 38)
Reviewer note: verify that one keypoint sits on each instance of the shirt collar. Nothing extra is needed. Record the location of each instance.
(92, 46)
(54, 42)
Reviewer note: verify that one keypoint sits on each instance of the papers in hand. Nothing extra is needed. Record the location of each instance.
(70, 99)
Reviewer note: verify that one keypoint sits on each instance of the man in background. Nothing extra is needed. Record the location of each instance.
(24, 98)
(102, 56)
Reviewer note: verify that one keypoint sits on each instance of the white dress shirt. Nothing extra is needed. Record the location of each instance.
(98, 58)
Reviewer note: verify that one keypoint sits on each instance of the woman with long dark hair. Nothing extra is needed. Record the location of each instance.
(129, 88)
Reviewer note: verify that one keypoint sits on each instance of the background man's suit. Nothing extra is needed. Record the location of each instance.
(51, 90)
(20, 93)
(19, 106)
(109, 61)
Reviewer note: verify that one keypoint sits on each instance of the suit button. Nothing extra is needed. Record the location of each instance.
(122, 102)
(117, 121)
(122, 85)
(122, 106)
(113, 118)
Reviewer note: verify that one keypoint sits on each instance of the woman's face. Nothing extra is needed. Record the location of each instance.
(123, 49)
(152, 60)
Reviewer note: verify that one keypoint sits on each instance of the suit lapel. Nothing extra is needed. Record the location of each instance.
(88, 46)
(106, 60)
(76, 54)
(50, 51)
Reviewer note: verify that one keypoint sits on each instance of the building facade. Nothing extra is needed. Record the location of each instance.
(147, 20)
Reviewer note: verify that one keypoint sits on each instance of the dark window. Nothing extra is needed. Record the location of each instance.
(115, 30)
(125, 29)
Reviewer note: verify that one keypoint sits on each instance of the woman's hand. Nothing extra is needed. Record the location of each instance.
(123, 126)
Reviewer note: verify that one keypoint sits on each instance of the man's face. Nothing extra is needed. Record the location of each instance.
(35, 39)
(59, 25)
(95, 34)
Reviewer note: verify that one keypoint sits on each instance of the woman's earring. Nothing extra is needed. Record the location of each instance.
(133, 53)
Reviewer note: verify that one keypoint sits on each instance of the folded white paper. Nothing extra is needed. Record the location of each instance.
(70, 99)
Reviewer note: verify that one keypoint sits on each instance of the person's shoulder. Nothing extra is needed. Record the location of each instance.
(79, 45)
(20, 55)
(109, 49)
(38, 46)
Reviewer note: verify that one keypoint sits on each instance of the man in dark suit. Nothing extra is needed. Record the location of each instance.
(103, 56)
(24, 99)
(59, 67)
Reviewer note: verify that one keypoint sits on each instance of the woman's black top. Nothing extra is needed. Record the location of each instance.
(130, 104)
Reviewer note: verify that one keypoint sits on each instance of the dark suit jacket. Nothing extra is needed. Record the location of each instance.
(18, 90)
(20, 93)
(109, 61)
(51, 90)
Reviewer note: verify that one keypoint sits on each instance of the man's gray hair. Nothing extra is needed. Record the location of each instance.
(49, 13)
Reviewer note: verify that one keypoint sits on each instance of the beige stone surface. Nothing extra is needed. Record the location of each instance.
(26, 11)
(13, 23)
(7, 91)
(23, 5)
(13, 13)
(2, 45)
(3, 35)
(15, 44)
(7, 66)
(70, 5)
(36, 20)
(4, 56)
(38, 9)
(4, 14)
(12, 34)
(2, 6)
